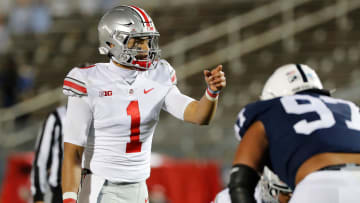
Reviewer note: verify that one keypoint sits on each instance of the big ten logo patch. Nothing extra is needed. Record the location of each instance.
(105, 93)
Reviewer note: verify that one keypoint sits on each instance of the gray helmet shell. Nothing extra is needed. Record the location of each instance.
(121, 23)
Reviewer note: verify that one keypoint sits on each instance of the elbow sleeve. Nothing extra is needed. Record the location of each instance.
(243, 180)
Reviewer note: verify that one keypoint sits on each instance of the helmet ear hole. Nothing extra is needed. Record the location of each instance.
(110, 44)
(126, 39)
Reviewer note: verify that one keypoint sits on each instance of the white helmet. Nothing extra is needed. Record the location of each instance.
(289, 79)
(271, 186)
(118, 26)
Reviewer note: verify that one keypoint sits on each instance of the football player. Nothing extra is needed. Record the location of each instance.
(308, 138)
(113, 109)
(270, 189)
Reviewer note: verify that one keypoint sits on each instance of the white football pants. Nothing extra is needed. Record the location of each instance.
(95, 189)
(328, 186)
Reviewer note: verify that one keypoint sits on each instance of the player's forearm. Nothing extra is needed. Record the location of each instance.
(207, 110)
(70, 180)
(71, 169)
(201, 112)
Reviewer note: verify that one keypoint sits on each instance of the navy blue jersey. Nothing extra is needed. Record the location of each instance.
(301, 126)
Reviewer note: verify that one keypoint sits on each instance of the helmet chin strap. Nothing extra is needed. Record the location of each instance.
(114, 59)
(118, 62)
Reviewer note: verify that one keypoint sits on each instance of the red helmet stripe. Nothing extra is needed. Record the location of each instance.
(142, 14)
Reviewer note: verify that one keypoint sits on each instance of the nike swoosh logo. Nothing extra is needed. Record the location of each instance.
(147, 91)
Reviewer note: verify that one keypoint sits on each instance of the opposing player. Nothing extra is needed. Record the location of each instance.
(270, 189)
(309, 139)
(113, 109)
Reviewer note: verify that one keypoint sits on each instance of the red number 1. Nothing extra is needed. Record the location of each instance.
(133, 111)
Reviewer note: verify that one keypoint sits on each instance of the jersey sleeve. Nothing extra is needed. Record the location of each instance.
(78, 121)
(248, 115)
(173, 78)
(169, 71)
(239, 123)
(176, 102)
(75, 83)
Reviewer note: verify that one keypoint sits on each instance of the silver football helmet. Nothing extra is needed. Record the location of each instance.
(271, 186)
(123, 25)
(289, 79)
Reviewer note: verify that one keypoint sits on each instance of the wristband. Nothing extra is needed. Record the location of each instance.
(212, 91)
(211, 95)
(69, 197)
(69, 200)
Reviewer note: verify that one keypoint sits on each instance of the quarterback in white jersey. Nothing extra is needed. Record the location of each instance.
(113, 109)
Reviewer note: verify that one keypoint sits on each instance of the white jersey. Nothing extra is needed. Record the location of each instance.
(117, 131)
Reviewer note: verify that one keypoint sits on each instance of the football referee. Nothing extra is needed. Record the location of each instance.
(46, 170)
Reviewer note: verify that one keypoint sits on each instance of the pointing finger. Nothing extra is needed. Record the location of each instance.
(217, 69)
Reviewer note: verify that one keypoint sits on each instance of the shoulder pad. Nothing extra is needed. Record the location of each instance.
(75, 83)
(164, 73)
(170, 70)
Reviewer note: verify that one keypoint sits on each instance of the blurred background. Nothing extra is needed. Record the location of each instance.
(41, 40)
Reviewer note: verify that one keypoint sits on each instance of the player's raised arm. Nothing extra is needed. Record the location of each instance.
(201, 112)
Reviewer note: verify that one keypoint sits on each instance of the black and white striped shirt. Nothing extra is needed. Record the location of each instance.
(46, 170)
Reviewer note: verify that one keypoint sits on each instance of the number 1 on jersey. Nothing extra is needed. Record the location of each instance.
(133, 111)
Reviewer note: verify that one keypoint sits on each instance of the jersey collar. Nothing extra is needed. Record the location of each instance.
(126, 74)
